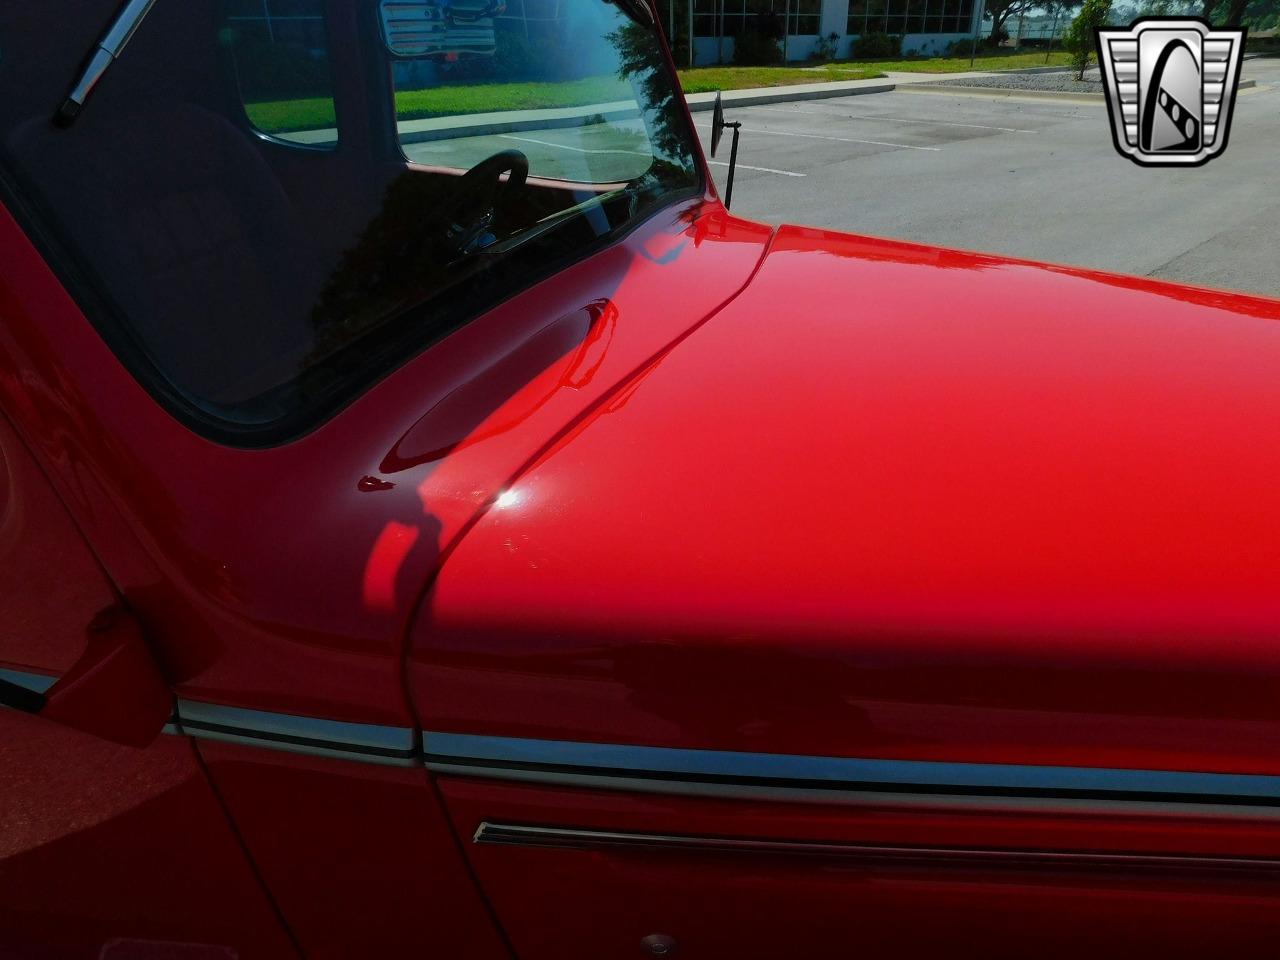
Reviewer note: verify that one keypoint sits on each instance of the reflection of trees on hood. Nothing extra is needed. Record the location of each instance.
(640, 61)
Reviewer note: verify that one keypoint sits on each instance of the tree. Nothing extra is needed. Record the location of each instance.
(1258, 14)
(1080, 40)
(1060, 11)
(1000, 11)
(1223, 13)
(1262, 14)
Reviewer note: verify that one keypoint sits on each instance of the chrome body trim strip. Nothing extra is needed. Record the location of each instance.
(826, 778)
(569, 838)
(35, 682)
(367, 742)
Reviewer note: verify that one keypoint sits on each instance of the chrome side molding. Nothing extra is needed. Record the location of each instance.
(365, 742)
(23, 691)
(723, 773)
(569, 838)
(368, 742)
(35, 682)
(830, 779)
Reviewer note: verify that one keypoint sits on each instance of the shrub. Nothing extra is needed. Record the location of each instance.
(825, 48)
(877, 46)
(1080, 40)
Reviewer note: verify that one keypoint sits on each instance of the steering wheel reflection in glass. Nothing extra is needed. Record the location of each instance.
(481, 193)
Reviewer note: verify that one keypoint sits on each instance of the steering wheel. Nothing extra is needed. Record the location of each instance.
(481, 194)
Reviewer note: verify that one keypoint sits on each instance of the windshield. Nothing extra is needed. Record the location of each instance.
(271, 223)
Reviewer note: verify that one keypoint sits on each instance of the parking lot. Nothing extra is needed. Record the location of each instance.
(1035, 178)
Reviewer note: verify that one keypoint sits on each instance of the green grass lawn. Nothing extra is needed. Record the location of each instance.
(705, 79)
(984, 61)
(281, 116)
(708, 79)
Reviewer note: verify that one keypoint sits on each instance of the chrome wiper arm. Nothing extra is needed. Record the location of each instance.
(109, 47)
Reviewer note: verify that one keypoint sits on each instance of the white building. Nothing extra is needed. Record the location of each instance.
(926, 26)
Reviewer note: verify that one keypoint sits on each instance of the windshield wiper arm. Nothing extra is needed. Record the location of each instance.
(109, 47)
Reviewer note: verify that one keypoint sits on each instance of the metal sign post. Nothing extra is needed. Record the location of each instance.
(720, 34)
(977, 29)
(1053, 32)
(786, 30)
(690, 2)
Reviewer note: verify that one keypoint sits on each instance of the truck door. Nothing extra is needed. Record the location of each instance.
(105, 850)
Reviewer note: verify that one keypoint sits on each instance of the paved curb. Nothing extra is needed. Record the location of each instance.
(800, 91)
(1049, 69)
(479, 125)
(488, 124)
(483, 125)
(1006, 92)
(1023, 94)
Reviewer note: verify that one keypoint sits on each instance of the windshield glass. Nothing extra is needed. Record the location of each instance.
(272, 223)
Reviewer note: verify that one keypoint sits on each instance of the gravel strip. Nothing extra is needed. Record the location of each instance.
(1053, 82)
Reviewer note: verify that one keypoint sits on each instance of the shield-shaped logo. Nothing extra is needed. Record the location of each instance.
(1171, 85)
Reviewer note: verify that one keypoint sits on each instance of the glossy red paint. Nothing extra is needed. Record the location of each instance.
(45, 629)
(105, 844)
(79, 815)
(117, 667)
(747, 905)
(281, 578)
(865, 511)
(360, 856)
(713, 486)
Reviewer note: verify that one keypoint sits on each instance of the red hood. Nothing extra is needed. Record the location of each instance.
(899, 501)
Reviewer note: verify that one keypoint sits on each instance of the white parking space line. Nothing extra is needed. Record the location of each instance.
(744, 166)
(867, 116)
(565, 146)
(822, 136)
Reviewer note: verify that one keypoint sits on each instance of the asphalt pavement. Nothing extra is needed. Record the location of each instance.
(1031, 177)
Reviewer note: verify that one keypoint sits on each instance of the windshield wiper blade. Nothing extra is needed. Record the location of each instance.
(109, 47)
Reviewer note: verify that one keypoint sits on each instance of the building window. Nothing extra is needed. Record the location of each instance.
(738, 16)
(909, 16)
(805, 16)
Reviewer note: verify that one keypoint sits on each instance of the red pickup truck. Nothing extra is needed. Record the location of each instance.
(431, 525)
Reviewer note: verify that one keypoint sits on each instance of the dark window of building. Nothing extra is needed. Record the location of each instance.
(914, 20)
(909, 16)
(806, 16)
(857, 22)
